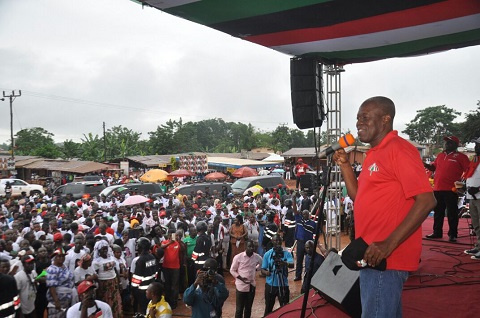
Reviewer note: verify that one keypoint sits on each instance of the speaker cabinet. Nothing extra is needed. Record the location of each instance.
(307, 94)
(308, 183)
(339, 285)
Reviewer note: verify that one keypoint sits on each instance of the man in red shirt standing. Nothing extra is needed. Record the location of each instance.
(449, 167)
(171, 268)
(392, 198)
(300, 169)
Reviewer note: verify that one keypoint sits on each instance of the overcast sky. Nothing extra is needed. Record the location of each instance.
(79, 63)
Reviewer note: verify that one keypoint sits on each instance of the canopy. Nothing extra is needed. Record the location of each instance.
(339, 31)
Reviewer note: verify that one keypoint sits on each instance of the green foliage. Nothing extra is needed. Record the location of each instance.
(36, 142)
(470, 129)
(92, 148)
(70, 149)
(431, 124)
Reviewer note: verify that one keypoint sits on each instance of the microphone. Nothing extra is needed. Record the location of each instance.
(343, 142)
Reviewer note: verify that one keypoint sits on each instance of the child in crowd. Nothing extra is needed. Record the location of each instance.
(158, 306)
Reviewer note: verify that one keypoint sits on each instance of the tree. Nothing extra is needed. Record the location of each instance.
(431, 124)
(121, 142)
(70, 149)
(92, 148)
(161, 140)
(36, 142)
(281, 139)
(471, 127)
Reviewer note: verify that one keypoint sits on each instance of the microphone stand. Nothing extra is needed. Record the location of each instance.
(318, 230)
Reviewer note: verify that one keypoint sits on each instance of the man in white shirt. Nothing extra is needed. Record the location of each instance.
(88, 306)
(75, 254)
(26, 285)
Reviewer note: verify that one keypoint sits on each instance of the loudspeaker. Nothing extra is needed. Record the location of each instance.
(339, 285)
(308, 183)
(307, 94)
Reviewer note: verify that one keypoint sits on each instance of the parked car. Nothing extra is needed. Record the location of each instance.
(19, 186)
(202, 186)
(79, 189)
(270, 181)
(146, 188)
(92, 177)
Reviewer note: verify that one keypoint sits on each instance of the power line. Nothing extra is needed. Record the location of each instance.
(117, 106)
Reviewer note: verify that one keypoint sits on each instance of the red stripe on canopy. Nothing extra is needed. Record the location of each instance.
(407, 18)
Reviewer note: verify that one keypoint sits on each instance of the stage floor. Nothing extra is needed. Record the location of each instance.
(447, 283)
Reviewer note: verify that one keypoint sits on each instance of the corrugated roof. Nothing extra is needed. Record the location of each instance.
(21, 161)
(81, 167)
(151, 161)
(310, 151)
(237, 163)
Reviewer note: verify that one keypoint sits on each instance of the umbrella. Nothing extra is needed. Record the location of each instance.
(135, 199)
(278, 170)
(255, 190)
(244, 172)
(181, 173)
(215, 176)
(154, 175)
(263, 173)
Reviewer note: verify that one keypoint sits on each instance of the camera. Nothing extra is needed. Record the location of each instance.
(209, 276)
(277, 255)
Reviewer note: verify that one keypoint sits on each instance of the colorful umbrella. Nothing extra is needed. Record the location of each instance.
(155, 175)
(255, 190)
(214, 176)
(181, 173)
(244, 172)
(135, 199)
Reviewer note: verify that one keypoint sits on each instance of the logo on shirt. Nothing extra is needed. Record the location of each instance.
(373, 168)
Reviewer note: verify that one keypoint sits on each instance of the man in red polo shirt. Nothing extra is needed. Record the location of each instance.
(171, 268)
(392, 198)
(449, 167)
(300, 170)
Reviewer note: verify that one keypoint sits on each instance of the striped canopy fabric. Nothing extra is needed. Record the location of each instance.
(339, 31)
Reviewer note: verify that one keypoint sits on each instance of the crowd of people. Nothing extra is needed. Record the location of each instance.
(98, 256)
(74, 257)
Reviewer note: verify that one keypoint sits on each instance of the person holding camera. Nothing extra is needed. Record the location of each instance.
(244, 267)
(208, 293)
(275, 264)
(472, 177)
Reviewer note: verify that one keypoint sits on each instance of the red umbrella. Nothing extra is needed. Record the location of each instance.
(215, 176)
(181, 173)
(244, 172)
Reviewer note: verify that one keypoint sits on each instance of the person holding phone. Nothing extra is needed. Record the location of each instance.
(171, 267)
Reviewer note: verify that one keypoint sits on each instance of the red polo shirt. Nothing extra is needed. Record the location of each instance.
(392, 174)
(448, 169)
(171, 258)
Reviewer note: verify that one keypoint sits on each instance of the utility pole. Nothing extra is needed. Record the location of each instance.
(104, 144)
(12, 97)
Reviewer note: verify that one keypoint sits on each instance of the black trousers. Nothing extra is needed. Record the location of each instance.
(446, 202)
(300, 256)
(244, 302)
(171, 277)
(271, 293)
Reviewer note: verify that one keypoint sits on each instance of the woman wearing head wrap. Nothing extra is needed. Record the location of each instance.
(108, 279)
(60, 285)
(84, 270)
